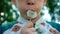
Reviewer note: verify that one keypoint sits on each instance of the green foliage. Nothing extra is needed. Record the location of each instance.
(5, 6)
(53, 5)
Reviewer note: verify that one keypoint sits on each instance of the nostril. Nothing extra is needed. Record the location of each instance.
(30, 3)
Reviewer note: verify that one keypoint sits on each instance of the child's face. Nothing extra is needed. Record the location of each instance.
(25, 5)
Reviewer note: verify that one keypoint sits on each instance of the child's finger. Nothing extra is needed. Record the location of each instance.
(29, 25)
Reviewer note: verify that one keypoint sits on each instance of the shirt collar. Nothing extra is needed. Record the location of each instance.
(22, 19)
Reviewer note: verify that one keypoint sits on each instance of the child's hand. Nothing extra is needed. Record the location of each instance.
(28, 29)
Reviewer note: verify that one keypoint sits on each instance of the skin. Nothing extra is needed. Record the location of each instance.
(35, 5)
(24, 5)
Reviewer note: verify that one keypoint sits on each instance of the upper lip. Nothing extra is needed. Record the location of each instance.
(31, 10)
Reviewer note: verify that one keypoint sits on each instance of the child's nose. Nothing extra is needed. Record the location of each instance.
(30, 2)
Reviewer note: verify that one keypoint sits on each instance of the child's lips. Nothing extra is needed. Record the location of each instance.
(31, 10)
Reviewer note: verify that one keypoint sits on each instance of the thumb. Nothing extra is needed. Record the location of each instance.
(29, 25)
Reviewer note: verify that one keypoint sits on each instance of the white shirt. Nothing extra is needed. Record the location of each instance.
(44, 29)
